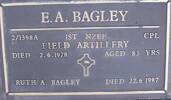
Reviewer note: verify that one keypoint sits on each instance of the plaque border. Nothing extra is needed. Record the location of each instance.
(79, 2)
(5, 65)
(168, 30)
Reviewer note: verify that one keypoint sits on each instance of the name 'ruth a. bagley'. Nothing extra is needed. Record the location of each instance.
(84, 16)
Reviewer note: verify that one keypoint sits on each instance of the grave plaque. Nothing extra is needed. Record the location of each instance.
(85, 47)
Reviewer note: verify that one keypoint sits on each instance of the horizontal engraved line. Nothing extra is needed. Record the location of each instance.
(85, 93)
(79, 2)
(82, 28)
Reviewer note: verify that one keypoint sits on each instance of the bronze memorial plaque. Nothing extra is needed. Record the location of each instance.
(74, 49)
